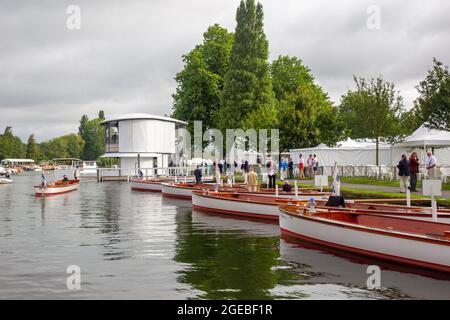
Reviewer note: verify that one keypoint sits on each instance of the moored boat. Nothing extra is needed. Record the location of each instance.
(418, 213)
(241, 204)
(5, 180)
(184, 191)
(148, 185)
(418, 243)
(56, 187)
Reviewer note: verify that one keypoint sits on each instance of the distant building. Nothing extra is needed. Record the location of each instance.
(152, 139)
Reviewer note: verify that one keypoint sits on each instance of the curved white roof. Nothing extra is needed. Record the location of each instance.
(142, 116)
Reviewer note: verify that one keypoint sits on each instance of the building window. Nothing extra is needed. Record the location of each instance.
(112, 137)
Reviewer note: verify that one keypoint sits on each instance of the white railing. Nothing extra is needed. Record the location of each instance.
(380, 172)
(129, 174)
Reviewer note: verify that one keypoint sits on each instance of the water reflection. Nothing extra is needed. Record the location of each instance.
(228, 263)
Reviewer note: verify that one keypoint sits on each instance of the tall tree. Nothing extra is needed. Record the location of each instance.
(247, 86)
(32, 148)
(433, 104)
(200, 83)
(373, 111)
(93, 135)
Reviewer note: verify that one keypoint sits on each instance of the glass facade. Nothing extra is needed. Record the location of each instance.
(112, 137)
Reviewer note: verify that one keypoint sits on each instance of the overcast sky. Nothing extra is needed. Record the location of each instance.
(125, 55)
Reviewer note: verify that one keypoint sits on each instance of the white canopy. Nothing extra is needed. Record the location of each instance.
(425, 137)
(347, 152)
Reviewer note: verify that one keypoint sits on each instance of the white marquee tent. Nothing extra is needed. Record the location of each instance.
(363, 153)
(347, 153)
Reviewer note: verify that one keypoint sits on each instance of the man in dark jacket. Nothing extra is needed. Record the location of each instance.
(198, 175)
(403, 172)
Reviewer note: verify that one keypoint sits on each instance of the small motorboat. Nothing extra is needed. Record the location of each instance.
(149, 185)
(184, 191)
(56, 187)
(4, 180)
(412, 212)
(417, 243)
(243, 203)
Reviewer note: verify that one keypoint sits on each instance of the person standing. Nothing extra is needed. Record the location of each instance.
(291, 169)
(76, 173)
(309, 163)
(198, 175)
(315, 165)
(301, 167)
(403, 172)
(413, 166)
(252, 180)
(272, 172)
(431, 165)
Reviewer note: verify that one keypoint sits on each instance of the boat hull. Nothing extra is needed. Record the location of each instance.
(146, 186)
(379, 244)
(5, 181)
(176, 192)
(205, 203)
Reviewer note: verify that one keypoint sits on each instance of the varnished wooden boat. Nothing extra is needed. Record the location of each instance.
(57, 187)
(149, 185)
(417, 243)
(243, 204)
(184, 191)
(413, 212)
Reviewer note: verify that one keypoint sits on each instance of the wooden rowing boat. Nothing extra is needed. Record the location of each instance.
(423, 244)
(57, 187)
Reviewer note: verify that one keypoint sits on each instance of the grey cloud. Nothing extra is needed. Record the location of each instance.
(126, 54)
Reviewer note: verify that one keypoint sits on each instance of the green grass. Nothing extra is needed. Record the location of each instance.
(383, 183)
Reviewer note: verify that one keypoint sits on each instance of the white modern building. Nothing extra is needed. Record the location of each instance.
(142, 140)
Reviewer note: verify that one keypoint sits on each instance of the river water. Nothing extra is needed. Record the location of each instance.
(131, 245)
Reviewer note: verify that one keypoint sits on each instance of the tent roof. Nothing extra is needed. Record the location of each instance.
(349, 144)
(427, 137)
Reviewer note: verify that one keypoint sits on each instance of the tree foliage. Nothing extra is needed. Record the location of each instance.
(200, 83)
(306, 116)
(93, 135)
(32, 148)
(247, 86)
(433, 103)
(373, 111)
(67, 146)
(11, 146)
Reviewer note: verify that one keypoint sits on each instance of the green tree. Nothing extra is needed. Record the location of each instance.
(32, 148)
(433, 103)
(11, 146)
(306, 116)
(247, 88)
(67, 146)
(93, 135)
(200, 83)
(373, 111)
